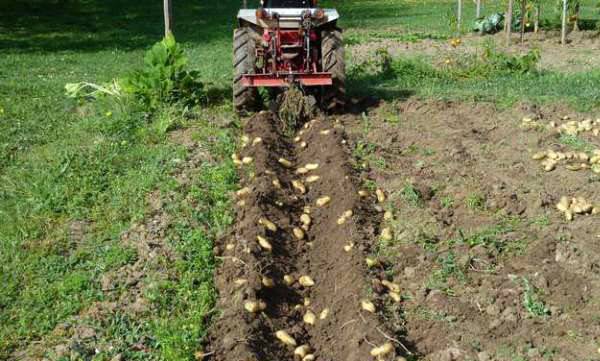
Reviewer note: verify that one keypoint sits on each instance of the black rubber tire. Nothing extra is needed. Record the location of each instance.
(332, 53)
(245, 99)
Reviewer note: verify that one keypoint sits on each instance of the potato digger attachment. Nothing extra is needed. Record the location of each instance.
(288, 43)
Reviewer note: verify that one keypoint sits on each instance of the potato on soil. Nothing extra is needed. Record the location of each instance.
(302, 351)
(285, 337)
(243, 192)
(264, 244)
(323, 201)
(371, 262)
(325, 132)
(299, 186)
(240, 281)
(386, 234)
(303, 144)
(312, 166)
(305, 219)
(288, 280)
(380, 195)
(368, 306)
(391, 286)
(256, 140)
(349, 247)
(268, 224)
(268, 282)
(284, 162)
(298, 233)
(245, 139)
(276, 183)
(382, 350)
(309, 357)
(306, 281)
(309, 318)
(302, 170)
(323, 315)
(363, 193)
(255, 306)
(247, 160)
(312, 178)
(396, 297)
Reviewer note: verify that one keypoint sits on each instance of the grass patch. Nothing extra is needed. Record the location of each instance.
(576, 143)
(532, 301)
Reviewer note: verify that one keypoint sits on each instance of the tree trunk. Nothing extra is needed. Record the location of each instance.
(459, 15)
(168, 10)
(536, 17)
(478, 9)
(563, 31)
(576, 22)
(509, 17)
(523, 11)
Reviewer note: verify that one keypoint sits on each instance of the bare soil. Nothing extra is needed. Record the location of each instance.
(476, 231)
(582, 53)
(342, 279)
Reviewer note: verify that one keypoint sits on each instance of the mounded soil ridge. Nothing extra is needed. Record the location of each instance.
(332, 252)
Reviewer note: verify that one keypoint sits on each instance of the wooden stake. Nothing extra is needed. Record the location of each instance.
(563, 31)
(536, 16)
(478, 9)
(523, 10)
(168, 10)
(509, 16)
(459, 15)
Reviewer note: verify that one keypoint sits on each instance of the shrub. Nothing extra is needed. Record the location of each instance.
(164, 78)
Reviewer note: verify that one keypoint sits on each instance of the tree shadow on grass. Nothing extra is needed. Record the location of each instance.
(93, 25)
(366, 90)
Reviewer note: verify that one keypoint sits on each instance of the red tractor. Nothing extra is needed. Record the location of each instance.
(285, 43)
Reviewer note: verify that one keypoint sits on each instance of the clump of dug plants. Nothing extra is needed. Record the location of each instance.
(295, 107)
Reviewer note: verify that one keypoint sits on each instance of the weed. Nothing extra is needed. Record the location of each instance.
(475, 201)
(576, 143)
(412, 195)
(532, 301)
(447, 201)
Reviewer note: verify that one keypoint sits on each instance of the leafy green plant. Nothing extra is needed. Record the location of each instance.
(164, 78)
(532, 301)
(475, 201)
(412, 195)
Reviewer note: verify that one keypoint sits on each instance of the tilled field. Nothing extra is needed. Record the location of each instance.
(296, 277)
(417, 230)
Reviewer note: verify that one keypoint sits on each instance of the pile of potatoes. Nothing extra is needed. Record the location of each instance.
(572, 127)
(574, 161)
(576, 205)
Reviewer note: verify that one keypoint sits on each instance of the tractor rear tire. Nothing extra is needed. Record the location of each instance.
(332, 53)
(245, 99)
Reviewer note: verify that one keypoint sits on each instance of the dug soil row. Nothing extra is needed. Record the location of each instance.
(300, 219)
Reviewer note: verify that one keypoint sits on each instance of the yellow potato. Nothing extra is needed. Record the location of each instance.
(299, 186)
(240, 281)
(380, 195)
(391, 286)
(303, 144)
(371, 262)
(564, 204)
(323, 315)
(268, 282)
(262, 241)
(538, 156)
(314, 178)
(382, 350)
(297, 139)
(325, 132)
(285, 337)
(569, 215)
(256, 140)
(302, 170)
(363, 193)
(341, 220)
(306, 281)
(309, 357)
(395, 296)
(302, 351)
(305, 219)
(255, 306)
(284, 162)
(349, 247)
(288, 280)
(276, 183)
(386, 234)
(268, 224)
(247, 160)
(242, 192)
(306, 301)
(323, 201)
(312, 166)
(298, 233)
(367, 305)
(309, 318)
